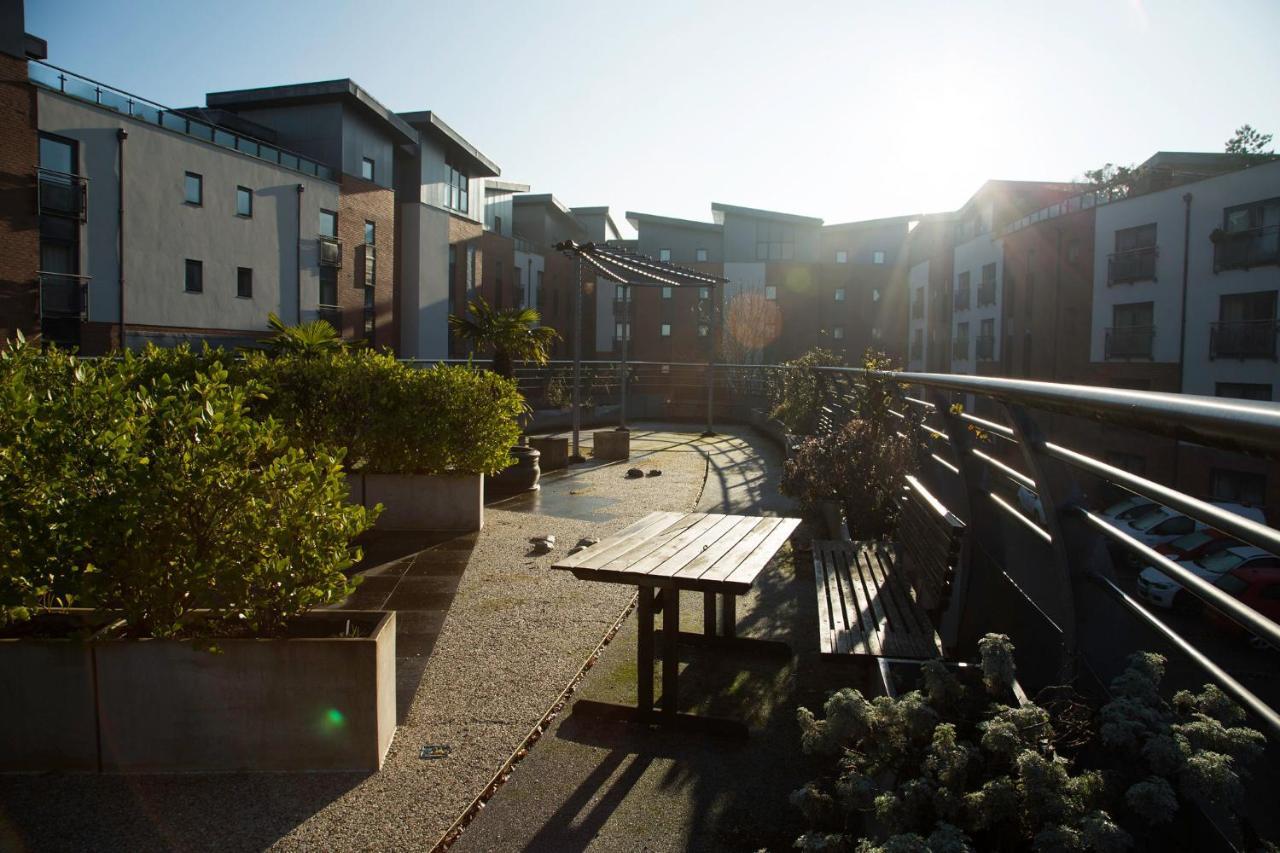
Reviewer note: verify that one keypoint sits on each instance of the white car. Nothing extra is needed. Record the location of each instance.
(1163, 591)
(1162, 524)
(1130, 507)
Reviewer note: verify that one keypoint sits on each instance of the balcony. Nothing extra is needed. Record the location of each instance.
(1132, 265)
(960, 349)
(61, 194)
(1243, 339)
(985, 347)
(370, 257)
(1126, 342)
(64, 296)
(330, 252)
(1242, 250)
(962, 299)
(986, 293)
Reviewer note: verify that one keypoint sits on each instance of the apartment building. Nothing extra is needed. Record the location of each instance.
(929, 261)
(19, 159)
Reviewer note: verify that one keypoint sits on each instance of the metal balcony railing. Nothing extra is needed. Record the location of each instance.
(330, 252)
(86, 89)
(62, 194)
(986, 293)
(1048, 580)
(1132, 265)
(370, 256)
(1243, 339)
(1130, 341)
(1245, 249)
(63, 296)
(985, 347)
(962, 299)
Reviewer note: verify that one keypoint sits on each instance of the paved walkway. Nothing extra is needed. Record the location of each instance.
(592, 785)
(480, 677)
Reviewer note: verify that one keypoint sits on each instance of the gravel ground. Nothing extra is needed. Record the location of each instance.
(514, 636)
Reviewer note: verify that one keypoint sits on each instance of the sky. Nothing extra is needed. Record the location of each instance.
(841, 110)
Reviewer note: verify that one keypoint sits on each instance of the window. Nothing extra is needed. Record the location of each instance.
(458, 184)
(471, 269)
(244, 201)
(839, 294)
(1243, 390)
(700, 254)
(329, 224)
(666, 292)
(665, 331)
(771, 293)
(962, 292)
(704, 293)
(1138, 237)
(877, 257)
(497, 225)
(1250, 238)
(1243, 487)
(193, 189)
(842, 257)
(244, 282)
(986, 342)
(370, 232)
(329, 286)
(366, 169)
(987, 287)
(1247, 307)
(960, 346)
(619, 329)
(664, 254)
(775, 241)
(195, 276)
(1131, 333)
(1246, 217)
(58, 155)
(837, 333)
(703, 330)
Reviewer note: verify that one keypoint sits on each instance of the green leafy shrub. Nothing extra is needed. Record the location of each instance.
(126, 489)
(960, 767)
(386, 417)
(795, 392)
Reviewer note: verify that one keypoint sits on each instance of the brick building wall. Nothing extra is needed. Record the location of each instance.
(363, 201)
(19, 222)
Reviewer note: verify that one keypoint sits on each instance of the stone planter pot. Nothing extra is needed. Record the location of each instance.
(47, 719)
(611, 444)
(311, 702)
(521, 476)
(555, 452)
(422, 502)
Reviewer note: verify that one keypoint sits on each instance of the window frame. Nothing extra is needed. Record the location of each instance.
(186, 197)
(370, 231)
(664, 255)
(373, 168)
(190, 264)
(878, 257)
(700, 255)
(320, 223)
(248, 193)
(664, 330)
(839, 295)
(771, 293)
(842, 256)
(240, 279)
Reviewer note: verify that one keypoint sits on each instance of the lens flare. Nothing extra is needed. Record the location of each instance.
(752, 321)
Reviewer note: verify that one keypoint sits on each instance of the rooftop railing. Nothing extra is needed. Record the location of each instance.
(87, 89)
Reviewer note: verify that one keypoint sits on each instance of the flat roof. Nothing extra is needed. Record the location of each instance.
(546, 200)
(345, 90)
(718, 210)
(872, 223)
(633, 217)
(599, 210)
(505, 186)
(426, 120)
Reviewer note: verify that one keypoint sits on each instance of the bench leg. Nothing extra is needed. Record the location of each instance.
(709, 614)
(670, 651)
(728, 615)
(644, 653)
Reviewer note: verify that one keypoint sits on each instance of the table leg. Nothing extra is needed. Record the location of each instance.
(728, 615)
(670, 651)
(644, 653)
(709, 614)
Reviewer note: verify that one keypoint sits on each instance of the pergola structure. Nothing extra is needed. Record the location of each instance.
(630, 269)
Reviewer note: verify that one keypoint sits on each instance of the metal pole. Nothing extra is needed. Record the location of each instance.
(713, 333)
(626, 337)
(576, 455)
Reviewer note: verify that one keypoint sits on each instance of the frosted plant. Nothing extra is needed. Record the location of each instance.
(995, 655)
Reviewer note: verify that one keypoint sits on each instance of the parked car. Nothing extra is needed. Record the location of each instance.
(1161, 590)
(1130, 507)
(1163, 525)
(1197, 544)
(1258, 587)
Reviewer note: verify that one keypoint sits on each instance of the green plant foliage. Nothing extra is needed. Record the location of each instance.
(387, 417)
(317, 338)
(512, 335)
(126, 489)
(795, 390)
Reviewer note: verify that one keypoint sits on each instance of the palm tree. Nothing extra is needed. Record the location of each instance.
(318, 337)
(512, 335)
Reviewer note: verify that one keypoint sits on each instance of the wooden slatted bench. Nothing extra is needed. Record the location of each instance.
(879, 600)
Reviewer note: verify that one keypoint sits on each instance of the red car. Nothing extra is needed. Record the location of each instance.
(1259, 588)
(1197, 544)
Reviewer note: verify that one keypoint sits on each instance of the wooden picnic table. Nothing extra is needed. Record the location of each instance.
(663, 554)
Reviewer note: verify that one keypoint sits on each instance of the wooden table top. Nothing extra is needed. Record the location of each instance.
(696, 551)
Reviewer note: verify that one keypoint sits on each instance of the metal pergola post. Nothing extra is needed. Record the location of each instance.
(714, 330)
(625, 290)
(576, 454)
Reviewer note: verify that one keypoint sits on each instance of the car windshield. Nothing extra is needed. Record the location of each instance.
(1191, 541)
(1231, 584)
(1150, 520)
(1222, 561)
(1126, 504)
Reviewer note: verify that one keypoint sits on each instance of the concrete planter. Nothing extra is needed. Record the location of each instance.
(555, 452)
(418, 502)
(47, 719)
(611, 444)
(314, 702)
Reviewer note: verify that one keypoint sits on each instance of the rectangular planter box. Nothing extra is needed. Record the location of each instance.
(611, 444)
(47, 717)
(554, 452)
(418, 502)
(257, 705)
